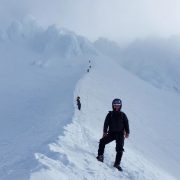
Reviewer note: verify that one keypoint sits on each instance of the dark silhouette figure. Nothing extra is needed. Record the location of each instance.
(116, 127)
(78, 103)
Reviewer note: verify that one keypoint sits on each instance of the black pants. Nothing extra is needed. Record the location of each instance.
(119, 137)
(79, 106)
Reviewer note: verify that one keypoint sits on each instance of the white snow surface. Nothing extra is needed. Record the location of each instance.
(42, 134)
(151, 152)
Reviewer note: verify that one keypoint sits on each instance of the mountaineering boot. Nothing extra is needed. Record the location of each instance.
(118, 167)
(100, 158)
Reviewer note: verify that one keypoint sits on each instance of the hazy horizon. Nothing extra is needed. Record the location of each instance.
(116, 20)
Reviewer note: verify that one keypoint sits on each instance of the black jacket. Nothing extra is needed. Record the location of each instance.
(78, 102)
(116, 122)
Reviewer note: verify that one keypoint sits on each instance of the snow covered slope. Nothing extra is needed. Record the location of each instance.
(154, 60)
(151, 152)
(39, 69)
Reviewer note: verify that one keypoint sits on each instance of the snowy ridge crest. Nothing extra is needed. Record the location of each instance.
(76, 149)
(51, 41)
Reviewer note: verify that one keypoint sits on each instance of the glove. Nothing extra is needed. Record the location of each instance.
(105, 134)
(126, 135)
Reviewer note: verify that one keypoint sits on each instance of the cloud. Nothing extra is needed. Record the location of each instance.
(116, 19)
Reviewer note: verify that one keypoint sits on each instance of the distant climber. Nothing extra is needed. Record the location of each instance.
(78, 103)
(116, 127)
(89, 66)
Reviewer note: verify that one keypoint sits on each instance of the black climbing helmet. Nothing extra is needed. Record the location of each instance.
(116, 102)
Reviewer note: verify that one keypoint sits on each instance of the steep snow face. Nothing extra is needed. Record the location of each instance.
(153, 60)
(38, 73)
(152, 150)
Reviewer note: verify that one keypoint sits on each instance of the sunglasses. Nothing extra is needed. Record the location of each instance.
(117, 105)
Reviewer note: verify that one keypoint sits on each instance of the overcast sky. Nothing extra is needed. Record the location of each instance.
(114, 19)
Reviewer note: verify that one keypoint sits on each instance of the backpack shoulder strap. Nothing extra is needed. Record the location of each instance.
(110, 112)
(122, 116)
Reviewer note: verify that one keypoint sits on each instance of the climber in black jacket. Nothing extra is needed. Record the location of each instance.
(78, 103)
(116, 127)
